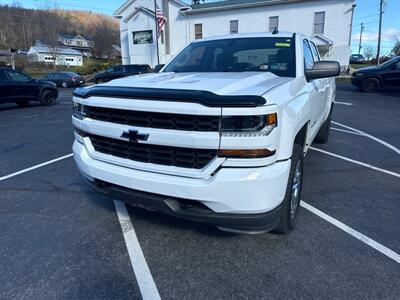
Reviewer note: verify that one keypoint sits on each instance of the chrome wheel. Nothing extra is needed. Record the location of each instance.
(296, 189)
(64, 84)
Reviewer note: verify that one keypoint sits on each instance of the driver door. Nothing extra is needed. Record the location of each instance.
(391, 77)
(21, 85)
(317, 90)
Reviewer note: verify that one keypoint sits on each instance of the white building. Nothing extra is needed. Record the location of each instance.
(63, 56)
(328, 22)
(77, 42)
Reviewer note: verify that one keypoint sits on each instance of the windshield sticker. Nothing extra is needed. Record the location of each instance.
(282, 44)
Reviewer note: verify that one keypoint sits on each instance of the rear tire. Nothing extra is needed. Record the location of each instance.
(323, 133)
(291, 202)
(48, 98)
(23, 103)
(371, 85)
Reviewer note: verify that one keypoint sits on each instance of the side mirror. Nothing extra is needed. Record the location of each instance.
(157, 68)
(323, 69)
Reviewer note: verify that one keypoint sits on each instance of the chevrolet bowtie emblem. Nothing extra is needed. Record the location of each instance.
(134, 136)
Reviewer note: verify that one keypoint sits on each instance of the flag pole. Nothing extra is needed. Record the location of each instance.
(156, 23)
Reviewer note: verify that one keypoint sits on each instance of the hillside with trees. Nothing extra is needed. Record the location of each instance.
(21, 27)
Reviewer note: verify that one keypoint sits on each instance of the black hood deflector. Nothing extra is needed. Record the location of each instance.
(202, 97)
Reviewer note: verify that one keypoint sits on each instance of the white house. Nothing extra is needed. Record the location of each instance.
(328, 22)
(77, 42)
(63, 56)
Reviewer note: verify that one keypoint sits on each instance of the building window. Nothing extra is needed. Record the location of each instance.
(234, 26)
(68, 42)
(319, 22)
(79, 43)
(198, 31)
(273, 23)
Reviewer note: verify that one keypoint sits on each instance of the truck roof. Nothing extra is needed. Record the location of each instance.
(246, 35)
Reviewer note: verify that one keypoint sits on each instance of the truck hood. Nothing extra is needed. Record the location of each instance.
(224, 84)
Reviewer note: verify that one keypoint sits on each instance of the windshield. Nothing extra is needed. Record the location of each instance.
(389, 62)
(270, 54)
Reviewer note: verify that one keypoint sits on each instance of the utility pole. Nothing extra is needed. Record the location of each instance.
(157, 34)
(361, 32)
(381, 3)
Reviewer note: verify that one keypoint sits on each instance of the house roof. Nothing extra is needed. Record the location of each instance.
(72, 36)
(127, 3)
(137, 10)
(231, 4)
(58, 50)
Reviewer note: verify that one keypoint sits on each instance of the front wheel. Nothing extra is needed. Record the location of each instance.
(48, 97)
(291, 202)
(371, 85)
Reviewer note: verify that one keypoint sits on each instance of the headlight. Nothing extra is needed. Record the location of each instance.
(248, 126)
(78, 110)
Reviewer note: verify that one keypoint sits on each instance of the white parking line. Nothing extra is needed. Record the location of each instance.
(386, 144)
(347, 131)
(146, 283)
(35, 167)
(357, 162)
(354, 233)
(344, 103)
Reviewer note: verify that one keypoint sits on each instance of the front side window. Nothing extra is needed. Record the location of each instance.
(319, 22)
(269, 54)
(314, 51)
(17, 76)
(273, 23)
(234, 26)
(308, 57)
(198, 31)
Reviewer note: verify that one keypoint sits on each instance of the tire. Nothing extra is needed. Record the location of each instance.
(48, 98)
(23, 103)
(371, 85)
(64, 84)
(322, 136)
(291, 202)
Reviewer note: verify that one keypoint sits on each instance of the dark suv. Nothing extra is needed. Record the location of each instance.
(20, 88)
(371, 79)
(121, 71)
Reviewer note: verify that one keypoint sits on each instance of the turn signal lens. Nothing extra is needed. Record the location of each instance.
(245, 153)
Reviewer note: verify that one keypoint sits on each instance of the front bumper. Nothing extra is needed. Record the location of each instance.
(245, 199)
(357, 81)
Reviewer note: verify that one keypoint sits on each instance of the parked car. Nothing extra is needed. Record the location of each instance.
(65, 79)
(121, 71)
(20, 88)
(356, 59)
(221, 139)
(371, 79)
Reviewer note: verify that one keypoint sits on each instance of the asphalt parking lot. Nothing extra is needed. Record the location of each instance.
(60, 239)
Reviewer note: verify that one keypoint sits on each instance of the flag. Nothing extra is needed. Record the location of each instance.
(161, 20)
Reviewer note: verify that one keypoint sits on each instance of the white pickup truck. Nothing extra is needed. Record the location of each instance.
(217, 136)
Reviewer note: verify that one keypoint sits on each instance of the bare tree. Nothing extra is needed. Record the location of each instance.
(396, 47)
(369, 52)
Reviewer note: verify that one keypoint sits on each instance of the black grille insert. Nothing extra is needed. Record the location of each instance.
(155, 154)
(153, 119)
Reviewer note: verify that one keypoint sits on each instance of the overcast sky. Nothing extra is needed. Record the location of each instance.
(366, 11)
